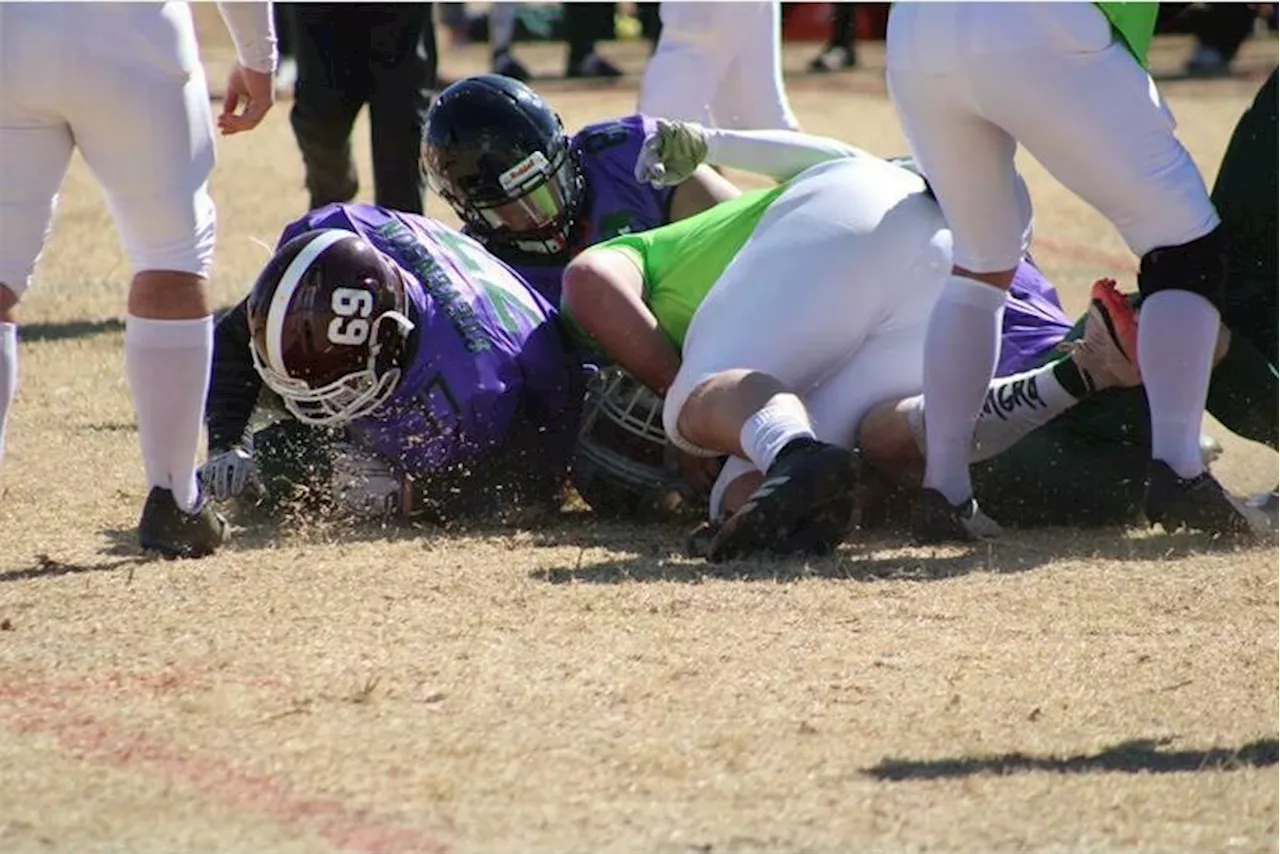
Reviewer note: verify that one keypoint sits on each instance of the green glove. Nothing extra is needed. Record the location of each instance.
(670, 154)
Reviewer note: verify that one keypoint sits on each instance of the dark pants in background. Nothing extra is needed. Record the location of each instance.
(350, 55)
(584, 25)
(1224, 26)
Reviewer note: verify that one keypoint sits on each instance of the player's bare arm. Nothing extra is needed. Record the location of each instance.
(250, 90)
(604, 294)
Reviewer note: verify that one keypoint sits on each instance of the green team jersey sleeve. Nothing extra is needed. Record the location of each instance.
(1136, 24)
(679, 262)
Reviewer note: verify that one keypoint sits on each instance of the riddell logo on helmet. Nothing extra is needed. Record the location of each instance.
(534, 164)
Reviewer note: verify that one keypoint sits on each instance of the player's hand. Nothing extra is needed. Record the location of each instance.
(671, 153)
(251, 93)
(364, 485)
(230, 474)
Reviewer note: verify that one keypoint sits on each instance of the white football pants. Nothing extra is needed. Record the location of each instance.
(123, 83)
(719, 64)
(972, 80)
(831, 295)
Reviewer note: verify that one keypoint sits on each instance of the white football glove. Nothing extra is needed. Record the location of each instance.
(364, 485)
(230, 474)
(670, 154)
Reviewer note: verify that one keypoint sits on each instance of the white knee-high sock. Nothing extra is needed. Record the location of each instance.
(168, 365)
(8, 375)
(960, 351)
(781, 420)
(1177, 332)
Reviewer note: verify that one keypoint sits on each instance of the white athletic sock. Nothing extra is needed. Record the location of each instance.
(168, 365)
(960, 351)
(8, 375)
(1177, 332)
(768, 431)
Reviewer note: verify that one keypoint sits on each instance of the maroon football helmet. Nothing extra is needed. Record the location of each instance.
(329, 327)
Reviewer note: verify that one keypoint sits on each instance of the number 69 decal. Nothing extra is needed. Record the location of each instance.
(351, 306)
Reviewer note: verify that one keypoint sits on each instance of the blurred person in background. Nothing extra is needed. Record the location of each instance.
(584, 25)
(581, 25)
(502, 32)
(350, 55)
(1220, 30)
(719, 64)
(123, 83)
(839, 52)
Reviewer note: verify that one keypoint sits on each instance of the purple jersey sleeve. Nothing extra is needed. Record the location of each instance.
(488, 350)
(1034, 322)
(615, 203)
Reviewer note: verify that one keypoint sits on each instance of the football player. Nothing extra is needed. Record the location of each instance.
(436, 373)
(536, 196)
(1056, 473)
(1051, 476)
(123, 84)
(1067, 81)
(768, 318)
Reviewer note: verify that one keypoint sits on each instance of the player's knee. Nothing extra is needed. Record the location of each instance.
(175, 232)
(8, 303)
(1198, 266)
(11, 294)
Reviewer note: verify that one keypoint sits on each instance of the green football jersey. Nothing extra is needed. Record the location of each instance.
(682, 260)
(1136, 24)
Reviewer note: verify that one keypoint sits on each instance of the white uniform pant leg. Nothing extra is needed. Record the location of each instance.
(823, 271)
(752, 94)
(35, 148)
(1094, 118)
(693, 55)
(1052, 77)
(967, 158)
(888, 366)
(34, 153)
(128, 82)
(153, 151)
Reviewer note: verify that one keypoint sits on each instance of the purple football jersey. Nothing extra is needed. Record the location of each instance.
(488, 350)
(1034, 322)
(615, 203)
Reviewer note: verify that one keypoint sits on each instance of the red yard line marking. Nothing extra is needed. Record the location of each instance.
(36, 708)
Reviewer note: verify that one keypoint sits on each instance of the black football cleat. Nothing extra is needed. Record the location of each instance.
(1199, 503)
(174, 533)
(935, 520)
(804, 505)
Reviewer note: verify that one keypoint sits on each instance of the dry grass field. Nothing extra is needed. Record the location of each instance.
(583, 688)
